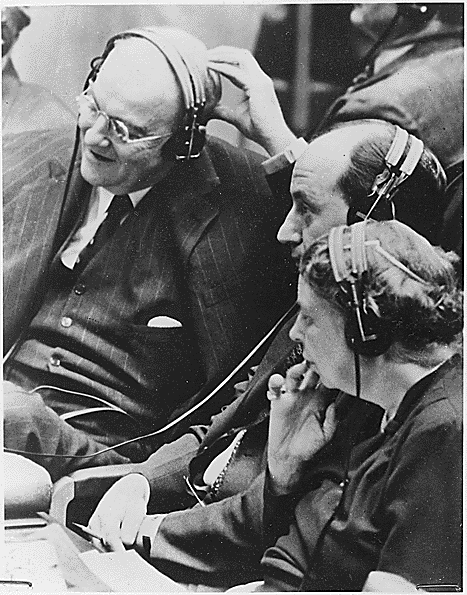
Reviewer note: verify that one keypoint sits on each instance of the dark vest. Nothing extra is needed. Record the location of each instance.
(92, 334)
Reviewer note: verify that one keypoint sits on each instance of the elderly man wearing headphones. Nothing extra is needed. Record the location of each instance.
(149, 278)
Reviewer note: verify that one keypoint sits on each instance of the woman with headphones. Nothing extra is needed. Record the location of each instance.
(380, 319)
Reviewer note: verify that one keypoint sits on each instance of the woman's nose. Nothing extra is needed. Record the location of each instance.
(294, 333)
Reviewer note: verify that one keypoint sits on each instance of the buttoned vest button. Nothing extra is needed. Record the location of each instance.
(66, 322)
(79, 288)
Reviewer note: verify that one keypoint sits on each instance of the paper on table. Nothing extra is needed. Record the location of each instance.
(127, 571)
(32, 561)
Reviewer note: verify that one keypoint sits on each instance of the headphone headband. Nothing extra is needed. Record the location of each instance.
(357, 246)
(189, 139)
(395, 172)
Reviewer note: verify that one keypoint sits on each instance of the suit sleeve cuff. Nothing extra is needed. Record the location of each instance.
(286, 157)
(148, 531)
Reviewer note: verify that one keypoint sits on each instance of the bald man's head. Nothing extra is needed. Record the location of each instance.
(419, 201)
(334, 178)
(133, 110)
(166, 73)
(140, 77)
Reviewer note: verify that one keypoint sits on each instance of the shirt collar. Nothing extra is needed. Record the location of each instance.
(105, 197)
(390, 55)
(200, 174)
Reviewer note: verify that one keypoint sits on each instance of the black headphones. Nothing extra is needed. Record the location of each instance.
(365, 331)
(417, 12)
(188, 141)
(399, 164)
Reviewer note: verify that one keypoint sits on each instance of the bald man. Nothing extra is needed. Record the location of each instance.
(148, 298)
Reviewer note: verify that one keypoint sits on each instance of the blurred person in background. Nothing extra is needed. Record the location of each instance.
(137, 290)
(25, 106)
(413, 76)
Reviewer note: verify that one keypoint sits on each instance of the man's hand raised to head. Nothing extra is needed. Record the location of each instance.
(300, 424)
(259, 116)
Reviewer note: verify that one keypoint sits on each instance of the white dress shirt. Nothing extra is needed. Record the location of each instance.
(97, 211)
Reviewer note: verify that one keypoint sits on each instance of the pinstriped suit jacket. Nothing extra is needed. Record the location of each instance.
(240, 279)
(34, 172)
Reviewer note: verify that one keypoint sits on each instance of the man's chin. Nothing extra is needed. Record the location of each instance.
(296, 255)
(94, 173)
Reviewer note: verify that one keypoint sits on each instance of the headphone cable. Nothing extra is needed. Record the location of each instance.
(213, 393)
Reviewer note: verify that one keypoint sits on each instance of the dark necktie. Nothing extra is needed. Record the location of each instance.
(120, 206)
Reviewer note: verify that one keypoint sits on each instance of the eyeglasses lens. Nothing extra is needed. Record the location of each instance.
(89, 113)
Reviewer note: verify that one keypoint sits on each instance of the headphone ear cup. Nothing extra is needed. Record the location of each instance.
(199, 139)
(178, 146)
(372, 325)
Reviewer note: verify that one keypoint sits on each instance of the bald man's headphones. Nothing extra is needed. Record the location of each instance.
(365, 331)
(188, 141)
(419, 13)
(399, 164)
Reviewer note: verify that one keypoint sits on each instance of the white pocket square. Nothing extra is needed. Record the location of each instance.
(164, 322)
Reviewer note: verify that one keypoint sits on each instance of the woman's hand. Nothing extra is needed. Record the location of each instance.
(121, 511)
(259, 115)
(300, 424)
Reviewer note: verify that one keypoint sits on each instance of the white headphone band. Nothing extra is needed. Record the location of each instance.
(175, 59)
(357, 246)
(393, 174)
(397, 148)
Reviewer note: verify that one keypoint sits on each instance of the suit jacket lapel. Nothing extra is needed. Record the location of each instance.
(74, 207)
(254, 399)
(193, 207)
(31, 216)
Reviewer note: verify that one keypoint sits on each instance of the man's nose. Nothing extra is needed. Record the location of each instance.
(97, 133)
(289, 232)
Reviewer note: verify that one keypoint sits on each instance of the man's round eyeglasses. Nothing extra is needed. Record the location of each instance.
(89, 112)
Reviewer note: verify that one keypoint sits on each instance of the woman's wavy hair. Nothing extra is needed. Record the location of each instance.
(421, 316)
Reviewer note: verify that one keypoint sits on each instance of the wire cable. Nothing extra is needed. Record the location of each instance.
(183, 416)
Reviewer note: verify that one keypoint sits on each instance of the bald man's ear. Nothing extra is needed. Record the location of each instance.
(213, 94)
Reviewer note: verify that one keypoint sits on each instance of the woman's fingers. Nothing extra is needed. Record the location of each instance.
(295, 376)
(329, 424)
(298, 379)
(275, 384)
